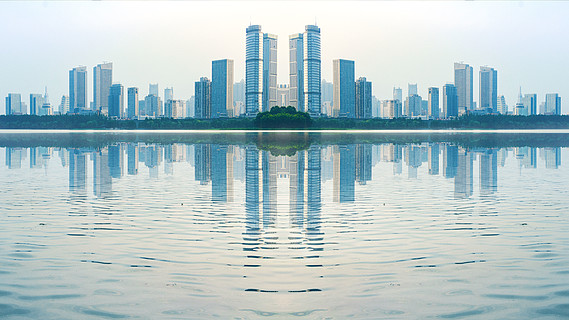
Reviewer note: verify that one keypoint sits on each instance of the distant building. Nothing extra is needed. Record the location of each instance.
(153, 89)
(502, 106)
(269, 71)
(239, 92)
(14, 104)
(391, 109)
(433, 103)
(305, 70)
(222, 88)
(552, 104)
(36, 101)
(133, 103)
(102, 81)
(327, 92)
(253, 74)
(463, 84)
(413, 106)
(46, 109)
(363, 99)
(168, 94)
(398, 94)
(64, 105)
(450, 101)
(412, 89)
(78, 89)
(344, 88)
(116, 101)
(174, 109)
(190, 107)
(530, 104)
(488, 89)
(152, 106)
(283, 95)
(203, 98)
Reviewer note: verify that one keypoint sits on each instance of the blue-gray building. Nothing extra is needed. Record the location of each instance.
(463, 84)
(78, 89)
(363, 98)
(203, 98)
(116, 101)
(488, 89)
(305, 71)
(133, 108)
(344, 89)
(222, 88)
(14, 104)
(102, 81)
(253, 70)
(450, 101)
(36, 102)
(433, 103)
(269, 71)
(552, 104)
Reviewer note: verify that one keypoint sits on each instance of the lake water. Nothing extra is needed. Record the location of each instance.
(284, 226)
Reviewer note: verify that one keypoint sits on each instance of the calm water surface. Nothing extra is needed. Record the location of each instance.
(284, 226)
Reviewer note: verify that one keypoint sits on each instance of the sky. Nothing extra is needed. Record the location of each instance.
(393, 43)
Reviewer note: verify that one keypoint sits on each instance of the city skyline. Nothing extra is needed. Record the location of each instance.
(541, 72)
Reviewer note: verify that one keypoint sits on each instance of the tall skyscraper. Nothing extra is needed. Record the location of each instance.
(116, 101)
(530, 103)
(463, 84)
(36, 101)
(412, 89)
(153, 89)
(269, 71)
(168, 94)
(327, 91)
(344, 88)
(14, 104)
(64, 105)
(502, 106)
(305, 70)
(203, 98)
(434, 103)
(102, 81)
(398, 94)
(283, 95)
(133, 108)
(78, 89)
(222, 88)
(552, 104)
(488, 88)
(253, 71)
(450, 101)
(363, 98)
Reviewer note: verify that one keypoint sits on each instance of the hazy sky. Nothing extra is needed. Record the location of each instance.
(393, 43)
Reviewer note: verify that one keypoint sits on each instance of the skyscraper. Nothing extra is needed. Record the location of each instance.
(102, 81)
(344, 88)
(391, 109)
(153, 89)
(13, 104)
(363, 98)
(502, 106)
(552, 104)
(269, 71)
(116, 101)
(463, 84)
(413, 106)
(253, 71)
(64, 105)
(327, 91)
(398, 94)
(133, 111)
(152, 106)
(239, 93)
(168, 94)
(412, 89)
(530, 103)
(305, 70)
(78, 89)
(433, 103)
(296, 54)
(174, 109)
(488, 88)
(36, 101)
(203, 98)
(283, 95)
(450, 101)
(222, 88)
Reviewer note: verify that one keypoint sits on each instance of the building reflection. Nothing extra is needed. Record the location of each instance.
(77, 170)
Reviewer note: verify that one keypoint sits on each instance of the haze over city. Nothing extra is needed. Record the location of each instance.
(392, 43)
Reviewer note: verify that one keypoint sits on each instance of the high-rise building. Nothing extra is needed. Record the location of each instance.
(413, 106)
(450, 101)
(78, 89)
(174, 109)
(305, 70)
(133, 107)
(391, 109)
(203, 99)
(102, 81)
(283, 95)
(412, 89)
(152, 106)
(530, 104)
(327, 92)
(463, 84)
(552, 104)
(222, 88)
(153, 89)
(239, 93)
(363, 98)
(14, 104)
(502, 106)
(190, 107)
(168, 94)
(46, 109)
(344, 89)
(36, 101)
(488, 88)
(433, 103)
(64, 105)
(269, 71)
(398, 94)
(253, 71)
(116, 101)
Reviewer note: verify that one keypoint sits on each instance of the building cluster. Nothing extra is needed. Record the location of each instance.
(346, 97)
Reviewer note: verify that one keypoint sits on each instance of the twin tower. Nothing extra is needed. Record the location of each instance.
(261, 71)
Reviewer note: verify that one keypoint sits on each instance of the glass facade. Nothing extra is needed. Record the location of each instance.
(344, 89)
(269, 71)
(296, 71)
(222, 88)
(253, 70)
(312, 70)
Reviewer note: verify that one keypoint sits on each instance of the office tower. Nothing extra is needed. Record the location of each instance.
(344, 88)
(174, 109)
(398, 94)
(222, 88)
(133, 107)
(116, 101)
(168, 94)
(412, 89)
(283, 95)
(238, 94)
(463, 84)
(424, 107)
(203, 98)
(13, 104)
(153, 89)
(305, 70)
(502, 106)
(78, 89)
(450, 101)
(269, 71)
(433, 103)
(375, 107)
(327, 92)
(413, 106)
(102, 81)
(36, 101)
(253, 71)
(552, 104)
(363, 99)
(191, 107)
(488, 89)
(152, 106)
(530, 104)
(64, 105)
(391, 109)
